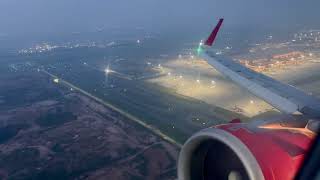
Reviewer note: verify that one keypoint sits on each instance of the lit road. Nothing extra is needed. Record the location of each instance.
(129, 116)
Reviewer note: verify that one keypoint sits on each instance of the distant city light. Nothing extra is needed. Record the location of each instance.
(192, 57)
(84, 63)
(159, 65)
(310, 54)
(213, 82)
(71, 89)
(56, 80)
(180, 56)
(138, 41)
(169, 73)
(198, 80)
(251, 102)
(180, 76)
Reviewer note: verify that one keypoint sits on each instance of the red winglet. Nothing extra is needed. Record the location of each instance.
(214, 33)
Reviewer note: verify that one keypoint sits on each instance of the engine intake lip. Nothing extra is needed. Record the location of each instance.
(241, 150)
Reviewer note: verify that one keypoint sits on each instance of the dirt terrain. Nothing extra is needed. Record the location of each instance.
(50, 132)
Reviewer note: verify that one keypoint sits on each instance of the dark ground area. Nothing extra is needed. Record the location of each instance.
(49, 132)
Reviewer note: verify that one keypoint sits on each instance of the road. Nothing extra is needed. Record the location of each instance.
(109, 105)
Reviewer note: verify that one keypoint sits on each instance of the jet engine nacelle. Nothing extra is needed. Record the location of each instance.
(260, 150)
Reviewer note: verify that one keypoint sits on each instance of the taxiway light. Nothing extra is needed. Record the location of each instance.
(107, 70)
(56, 80)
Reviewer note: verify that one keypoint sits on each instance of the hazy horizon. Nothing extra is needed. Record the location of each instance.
(19, 17)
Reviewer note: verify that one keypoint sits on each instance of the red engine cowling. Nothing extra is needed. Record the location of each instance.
(269, 150)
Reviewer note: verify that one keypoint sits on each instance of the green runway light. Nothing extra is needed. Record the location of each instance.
(199, 49)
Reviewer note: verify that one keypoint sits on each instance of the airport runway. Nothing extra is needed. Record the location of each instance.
(131, 117)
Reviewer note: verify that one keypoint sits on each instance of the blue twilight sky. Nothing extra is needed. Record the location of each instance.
(55, 16)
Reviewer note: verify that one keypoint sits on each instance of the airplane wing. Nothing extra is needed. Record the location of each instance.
(283, 97)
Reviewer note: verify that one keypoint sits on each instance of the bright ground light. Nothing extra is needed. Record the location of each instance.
(107, 70)
(56, 80)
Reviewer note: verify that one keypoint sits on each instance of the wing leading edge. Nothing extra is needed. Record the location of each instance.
(283, 97)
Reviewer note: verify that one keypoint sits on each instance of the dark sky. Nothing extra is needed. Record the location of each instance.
(52, 16)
